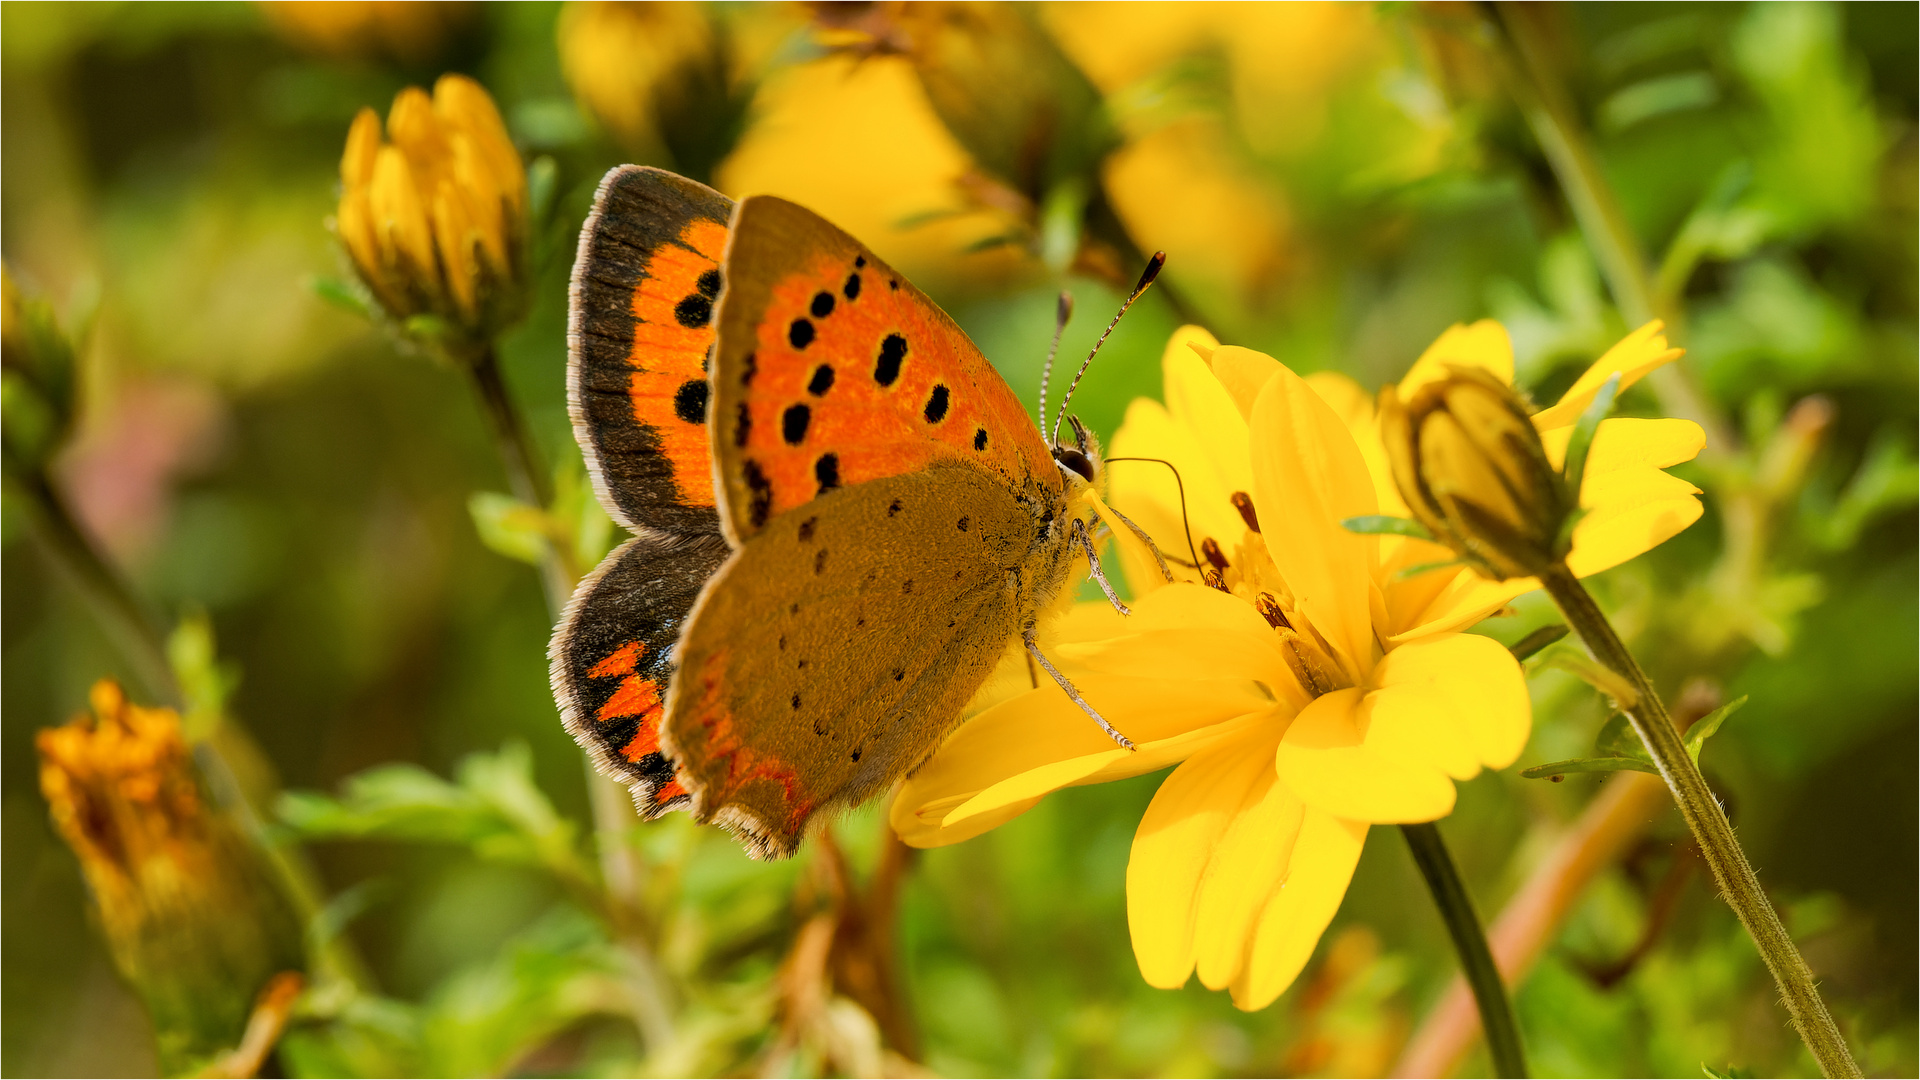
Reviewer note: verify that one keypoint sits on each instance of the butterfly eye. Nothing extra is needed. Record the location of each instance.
(1075, 462)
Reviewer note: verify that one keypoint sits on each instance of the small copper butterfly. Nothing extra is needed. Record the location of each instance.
(842, 515)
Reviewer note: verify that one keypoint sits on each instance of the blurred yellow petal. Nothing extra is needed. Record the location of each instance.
(1180, 850)
(1197, 401)
(400, 217)
(1243, 372)
(1248, 865)
(1482, 345)
(1308, 476)
(1635, 355)
(1328, 758)
(363, 142)
(1318, 871)
(411, 126)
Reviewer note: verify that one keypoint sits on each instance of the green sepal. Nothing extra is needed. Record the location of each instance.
(1426, 567)
(1705, 727)
(1528, 646)
(1575, 467)
(344, 295)
(1588, 765)
(1386, 525)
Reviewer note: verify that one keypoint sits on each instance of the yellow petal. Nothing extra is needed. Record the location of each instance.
(1249, 865)
(1465, 599)
(1198, 403)
(1150, 494)
(363, 142)
(1325, 758)
(1177, 851)
(1460, 700)
(1632, 506)
(1635, 355)
(400, 215)
(1190, 630)
(1481, 345)
(1041, 728)
(1308, 476)
(1627, 442)
(1318, 872)
(412, 127)
(465, 106)
(1242, 372)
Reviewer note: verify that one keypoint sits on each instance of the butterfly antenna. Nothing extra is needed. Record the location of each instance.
(1060, 316)
(1185, 526)
(1146, 279)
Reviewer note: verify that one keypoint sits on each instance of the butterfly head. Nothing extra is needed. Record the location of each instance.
(1078, 457)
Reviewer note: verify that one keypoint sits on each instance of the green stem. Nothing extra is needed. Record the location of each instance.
(1550, 115)
(1470, 941)
(1710, 827)
(614, 817)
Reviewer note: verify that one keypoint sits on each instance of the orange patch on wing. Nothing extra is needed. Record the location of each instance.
(635, 697)
(669, 790)
(667, 355)
(880, 416)
(620, 662)
(743, 764)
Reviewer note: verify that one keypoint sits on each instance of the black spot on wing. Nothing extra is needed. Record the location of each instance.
(893, 351)
(693, 311)
(800, 333)
(980, 439)
(936, 409)
(760, 494)
(851, 290)
(743, 425)
(822, 304)
(793, 424)
(690, 401)
(822, 380)
(827, 471)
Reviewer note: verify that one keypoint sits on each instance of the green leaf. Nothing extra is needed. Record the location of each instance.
(205, 682)
(1589, 765)
(543, 180)
(1704, 728)
(1733, 1072)
(1575, 470)
(1417, 569)
(495, 810)
(508, 526)
(1618, 739)
(1386, 525)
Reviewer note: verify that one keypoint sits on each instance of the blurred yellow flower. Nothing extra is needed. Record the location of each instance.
(190, 916)
(1306, 690)
(412, 31)
(435, 219)
(620, 58)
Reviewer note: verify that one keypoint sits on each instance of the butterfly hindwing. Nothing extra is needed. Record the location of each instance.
(833, 370)
(613, 657)
(644, 286)
(837, 647)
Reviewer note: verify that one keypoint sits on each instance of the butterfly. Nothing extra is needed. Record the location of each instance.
(842, 515)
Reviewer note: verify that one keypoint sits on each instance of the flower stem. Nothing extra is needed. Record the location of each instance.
(614, 817)
(1470, 941)
(1709, 826)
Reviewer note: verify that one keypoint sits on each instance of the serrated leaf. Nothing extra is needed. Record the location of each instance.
(508, 526)
(1386, 525)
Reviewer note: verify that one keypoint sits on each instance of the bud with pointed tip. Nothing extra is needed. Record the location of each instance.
(1471, 467)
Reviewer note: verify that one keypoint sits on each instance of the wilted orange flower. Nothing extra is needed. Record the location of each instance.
(189, 913)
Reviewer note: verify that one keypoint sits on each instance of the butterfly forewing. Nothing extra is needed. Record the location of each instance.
(838, 646)
(832, 370)
(644, 288)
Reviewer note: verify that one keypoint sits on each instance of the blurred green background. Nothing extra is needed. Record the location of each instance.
(1334, 184)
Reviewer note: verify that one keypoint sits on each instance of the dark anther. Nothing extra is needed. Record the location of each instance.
(1269, 609)
(1210, 551)
(1244, 503)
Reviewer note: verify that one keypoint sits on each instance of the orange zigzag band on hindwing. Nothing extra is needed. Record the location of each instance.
(744, 764)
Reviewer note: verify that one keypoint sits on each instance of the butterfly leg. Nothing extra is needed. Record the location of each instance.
(1079, 537)
(1033, 650)
(1147, 540)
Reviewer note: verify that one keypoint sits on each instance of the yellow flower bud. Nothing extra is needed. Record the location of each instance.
(187, 907)
(434, 218)
(1470, 465)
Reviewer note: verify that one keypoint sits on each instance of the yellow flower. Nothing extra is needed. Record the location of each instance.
(622, 59)
(435, 219)
(1308, 690)
(413, 31)
(187, 909)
